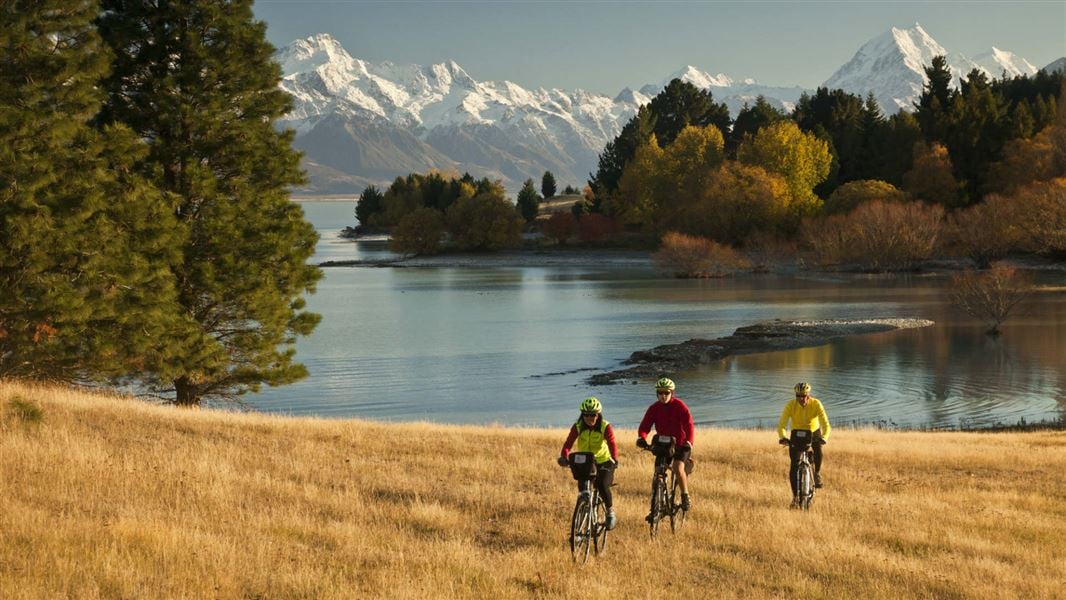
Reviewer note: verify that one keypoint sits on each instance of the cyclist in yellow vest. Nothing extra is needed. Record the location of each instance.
(594, 434)
(807, 413)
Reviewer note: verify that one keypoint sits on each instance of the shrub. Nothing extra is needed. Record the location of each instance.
(853, 193)
(987, 231)
(1045, 210)
(696, 257)
(418, 232)
(877, 235)
(594, 227)
(990, 296)
(25, 410)
(560, 227)
(764, 250)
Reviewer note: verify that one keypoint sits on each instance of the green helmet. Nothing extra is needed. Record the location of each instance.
(665, 383)
(591, 405)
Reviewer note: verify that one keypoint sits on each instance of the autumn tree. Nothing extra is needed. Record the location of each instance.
(990, 296)
(930, 178)
(846, 197)
(799, 157)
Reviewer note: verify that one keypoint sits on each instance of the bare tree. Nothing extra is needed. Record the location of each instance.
(991, 295)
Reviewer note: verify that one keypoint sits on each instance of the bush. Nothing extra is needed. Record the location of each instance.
(877, 235)
(485, 222)
(595, 227)
(560, 227)
(764, 250)
(25, 411)
(853, 193)
(696, 257)
(987, 231)
(1045, 209)
(418, 232)
(990, 296)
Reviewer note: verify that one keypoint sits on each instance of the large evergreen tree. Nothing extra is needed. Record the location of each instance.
(195, 80)
(547, 184)
(84, 243)
(750, 120)
(528, 202)
(935, 102)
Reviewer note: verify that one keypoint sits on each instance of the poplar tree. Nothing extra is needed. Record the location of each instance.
(195, 79)
(84, 242)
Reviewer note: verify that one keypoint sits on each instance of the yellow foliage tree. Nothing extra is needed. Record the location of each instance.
(800, 157)
(853, 193)
(930, 178)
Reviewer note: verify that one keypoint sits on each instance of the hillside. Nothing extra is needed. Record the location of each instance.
(107, 497)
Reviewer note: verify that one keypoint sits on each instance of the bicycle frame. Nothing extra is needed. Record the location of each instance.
(805, 475)
(588, 524)
(665, 500)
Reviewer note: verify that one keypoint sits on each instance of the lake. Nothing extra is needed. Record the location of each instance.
(501, 345)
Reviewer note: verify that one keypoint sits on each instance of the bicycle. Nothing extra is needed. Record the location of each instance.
(665, 498)
(588, 525)
(803, 439)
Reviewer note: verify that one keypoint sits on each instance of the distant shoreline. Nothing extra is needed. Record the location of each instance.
(333, 198)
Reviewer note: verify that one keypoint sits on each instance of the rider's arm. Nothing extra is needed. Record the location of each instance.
(608, 436)
(784, 420)
(688, 427)
(824, 421)
(569, 441)
(645, 424)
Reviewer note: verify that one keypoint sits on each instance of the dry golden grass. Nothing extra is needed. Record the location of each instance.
(107, 497)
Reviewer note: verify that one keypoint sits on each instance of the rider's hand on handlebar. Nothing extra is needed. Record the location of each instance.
(824, 441)
(642, 443)
(783, 441)
(562, 461)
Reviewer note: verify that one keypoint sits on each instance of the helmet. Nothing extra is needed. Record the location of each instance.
(591, 405)
(802, 388)
(665, 383)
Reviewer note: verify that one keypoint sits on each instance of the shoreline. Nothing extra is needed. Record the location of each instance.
(767, 336)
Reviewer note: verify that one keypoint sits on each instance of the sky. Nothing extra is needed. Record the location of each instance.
(604, 46)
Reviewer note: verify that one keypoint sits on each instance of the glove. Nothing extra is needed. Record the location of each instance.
(824, 441)
(783, 441)
(562, 461)
(642, 443)
(615, 461)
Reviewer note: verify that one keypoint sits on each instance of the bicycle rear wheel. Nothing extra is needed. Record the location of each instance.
(580, 530)
(599, 525)
(677, 514)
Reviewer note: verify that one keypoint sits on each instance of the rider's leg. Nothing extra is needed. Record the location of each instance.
(793, 468)
(682, 477)
(817, 446)
(604, 479)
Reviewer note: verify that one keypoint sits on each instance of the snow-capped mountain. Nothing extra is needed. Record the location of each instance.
(359, 122)
(892, 66)
(1056, 66)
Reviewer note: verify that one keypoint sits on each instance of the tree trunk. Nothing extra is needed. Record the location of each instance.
(188, 396)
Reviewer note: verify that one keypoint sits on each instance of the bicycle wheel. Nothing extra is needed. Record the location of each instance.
(580, 534)
(658, 505)
(599, 525)
(806, 486)
(677, 514)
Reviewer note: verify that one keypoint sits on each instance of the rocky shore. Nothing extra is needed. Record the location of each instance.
(768, 336)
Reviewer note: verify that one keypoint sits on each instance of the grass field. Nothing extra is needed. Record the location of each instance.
(107, 497)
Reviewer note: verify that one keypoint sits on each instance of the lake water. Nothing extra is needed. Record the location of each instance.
(481, 345)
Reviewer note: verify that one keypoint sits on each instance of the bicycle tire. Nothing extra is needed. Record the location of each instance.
(677, 514)
(579, 529)
(658, 498)
(599, 526)
(806, 486)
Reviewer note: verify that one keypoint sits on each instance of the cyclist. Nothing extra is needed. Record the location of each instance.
(670, 416)
(594, 434)
(806, 413)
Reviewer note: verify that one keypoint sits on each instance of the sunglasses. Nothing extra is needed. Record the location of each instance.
(590, 414)
(662, 392)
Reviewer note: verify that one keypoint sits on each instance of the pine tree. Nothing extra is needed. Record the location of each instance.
(84, 242)
(196, 80)
(750, 120)
(681, 104)
(547, 184)
(935, 102)
(528, 202)
(369, 204)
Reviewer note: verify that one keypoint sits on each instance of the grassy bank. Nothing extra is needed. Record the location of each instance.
(106, 497)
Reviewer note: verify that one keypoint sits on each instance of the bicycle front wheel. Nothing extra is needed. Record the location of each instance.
(599, 526)
(677, 514)
(806, 486)
(658, 506)
(581, 530)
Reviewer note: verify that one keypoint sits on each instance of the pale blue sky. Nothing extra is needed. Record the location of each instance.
(607, 45)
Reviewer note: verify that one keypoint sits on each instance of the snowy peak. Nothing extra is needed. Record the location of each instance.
(996, 63)
(698, 78)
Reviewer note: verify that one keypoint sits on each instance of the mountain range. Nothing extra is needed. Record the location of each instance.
(360, 123)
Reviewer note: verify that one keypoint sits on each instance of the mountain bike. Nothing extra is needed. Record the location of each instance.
(665, 496)
(588, 525)
(803, 440)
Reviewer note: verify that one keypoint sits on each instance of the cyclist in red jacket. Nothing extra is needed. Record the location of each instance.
(670, 416)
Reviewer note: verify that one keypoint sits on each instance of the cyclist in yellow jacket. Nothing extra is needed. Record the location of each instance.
(594, 434)
(807, 413)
